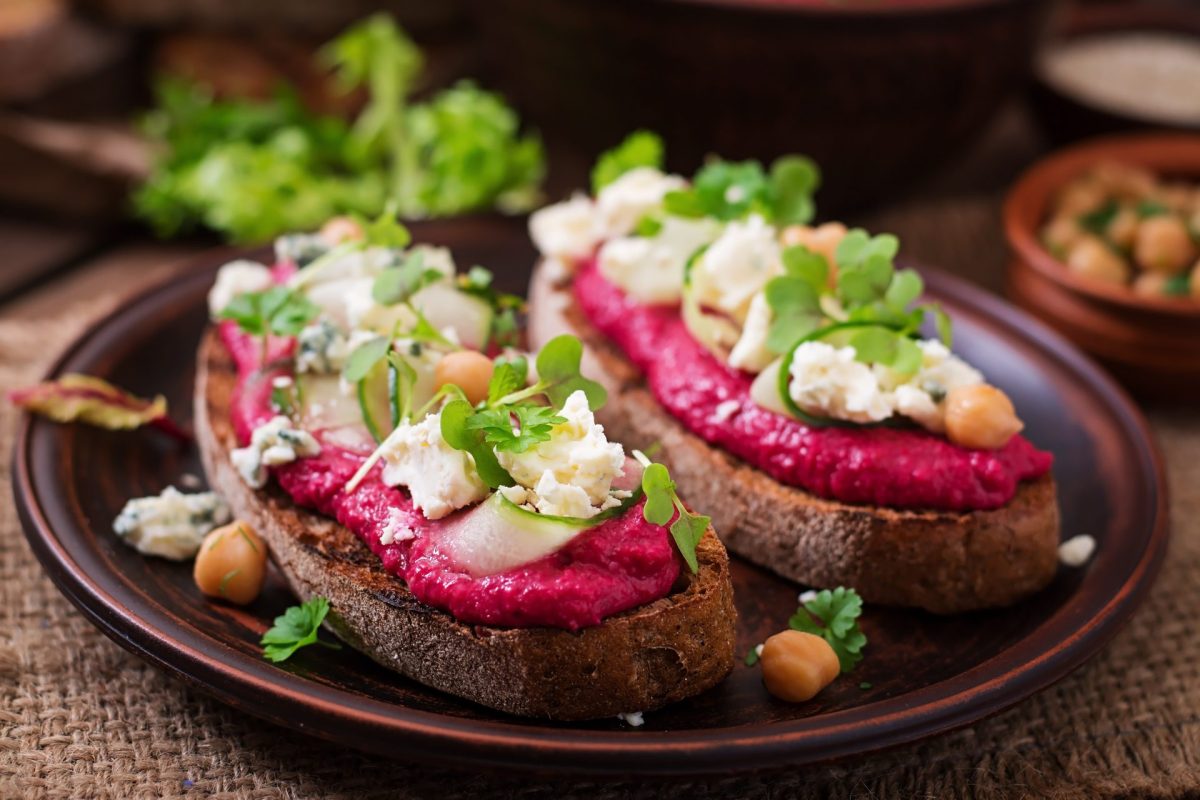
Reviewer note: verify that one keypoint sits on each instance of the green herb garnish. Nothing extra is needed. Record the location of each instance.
(1098, 220)
(295, 628)
(639, 149)
(365, 357)
(752, 656)
(1177, 286)
(455, 416)
(833, 615)
(503, 332)
(663, 505)
(279, 311)
(515, 428)
(730, 190)
(397, 284)
(1151, 208)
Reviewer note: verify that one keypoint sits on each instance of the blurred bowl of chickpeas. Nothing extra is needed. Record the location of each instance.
(1105, 238)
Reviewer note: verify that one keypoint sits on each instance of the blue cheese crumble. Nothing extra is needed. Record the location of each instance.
(272, 443)
(171, 525)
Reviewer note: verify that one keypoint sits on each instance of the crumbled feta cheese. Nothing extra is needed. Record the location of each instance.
(517, 495)
(638, 192)
(942, 371)
(725, 410)
(321, 348)
(828, 381)
(235, 278)
(751, 353)
(565, 230)
(171, 525)
(273, 443)
(633, 719)
(650, 269)
(439, 478)
(917, 404)
(1076, 551)
(807, 596)
(737, 266)
(577, 464)
(396, 529)
(758, 648)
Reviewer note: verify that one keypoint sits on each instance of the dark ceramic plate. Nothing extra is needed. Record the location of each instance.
(922, 674)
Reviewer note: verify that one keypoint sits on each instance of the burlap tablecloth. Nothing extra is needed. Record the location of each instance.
(80, 717)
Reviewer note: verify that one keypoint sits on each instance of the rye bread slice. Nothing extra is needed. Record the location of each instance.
(639, 660)
(944, 562)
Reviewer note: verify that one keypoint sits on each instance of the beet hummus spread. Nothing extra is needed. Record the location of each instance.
(895, 467)
(619, 564)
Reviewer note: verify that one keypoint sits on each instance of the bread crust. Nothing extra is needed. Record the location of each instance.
(944, 562)
(642, 659)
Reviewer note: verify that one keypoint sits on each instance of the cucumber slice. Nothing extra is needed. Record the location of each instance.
(444, 306)
(496, 535)
(716, 333)
(374, 402)
(323, 404)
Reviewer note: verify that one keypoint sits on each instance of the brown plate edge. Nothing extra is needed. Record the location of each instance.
(374, 725)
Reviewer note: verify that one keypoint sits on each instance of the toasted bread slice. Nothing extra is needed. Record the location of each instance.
(944, 562)
(641, 659)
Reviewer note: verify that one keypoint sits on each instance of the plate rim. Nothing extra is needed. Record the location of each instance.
(943, 706)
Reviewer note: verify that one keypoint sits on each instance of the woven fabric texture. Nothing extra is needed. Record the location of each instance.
(82, 718)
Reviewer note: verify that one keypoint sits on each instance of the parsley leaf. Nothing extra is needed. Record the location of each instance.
(277, 310)
(533, 426)
(752, 656)
(508, 376)
(295, 628)
(833, 615)
(455, 416)
(640, 149)
(663, 505)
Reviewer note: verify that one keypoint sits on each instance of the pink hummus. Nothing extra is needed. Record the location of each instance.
(896, 467)
(619, 564)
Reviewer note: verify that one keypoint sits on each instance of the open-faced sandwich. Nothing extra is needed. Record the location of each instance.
(359, 406)
(790, 381)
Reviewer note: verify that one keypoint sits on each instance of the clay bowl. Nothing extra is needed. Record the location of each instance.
(1150, 344)
(1065, 116)
(877, 91)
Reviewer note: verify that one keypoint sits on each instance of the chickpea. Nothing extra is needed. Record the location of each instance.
(1090, 258)
(823, 239)
(1150, 284)
(1123, 228)
(1124, 180)
(796, 665)
(341, 229)
(1080, 197)
(466, 369)
(231, 564)
(1061, 233)
(980, 417)
(1163, 245)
